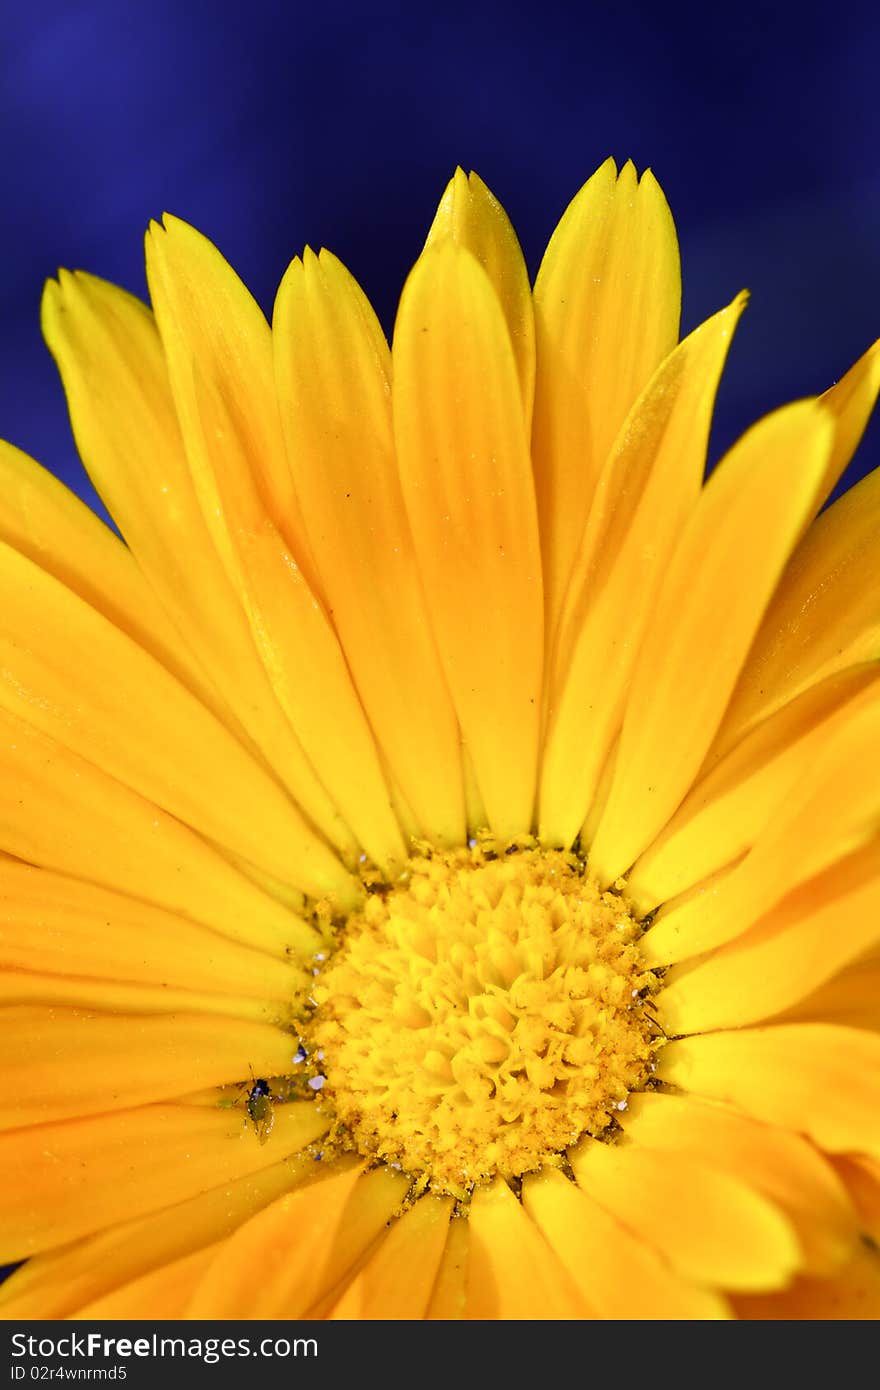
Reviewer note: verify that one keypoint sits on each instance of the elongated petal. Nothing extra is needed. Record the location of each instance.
(141, 1161)
(396, 1281)
(794, 949)
(164, 1293)
(825, 615)
(818, 1079)
(449, 1295)
(832, 812)
(850, 998)
(607, 303)
(53, 924)
(299, 1249)
(711, 1227)
(48, 523)
(113, 1062)
(472, 217)
(60, 1282)
(62, 813)
(333, 368)
(513, 1272)
(206, 315)
(123, 712)
(620, 1276)
(853, 1296)
(727, 810)
(851, 401)
(112, 365)
(646, 491)
(468, 489)
(753, 506)
(781, 1165)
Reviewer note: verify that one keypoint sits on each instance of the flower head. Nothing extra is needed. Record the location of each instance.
(438, 842)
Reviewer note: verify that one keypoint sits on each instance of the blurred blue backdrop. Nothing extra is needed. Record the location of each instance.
(272, 124)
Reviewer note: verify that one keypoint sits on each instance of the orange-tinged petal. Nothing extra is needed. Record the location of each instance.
(108, 352)
(817, 1078)
(57, 1283)
(607, 303)
(728, 808)
(299, 1249)
(48, 523)
(63, 1063)
(620, 1276)
(138, 1161)
(396, 1282)
(333, 369)
(646, 491)
(862, 1178)
(824, 617)
(833, 811)
(121, 710)
(449, 1296)
(753, 506)
(854, 1295)
(795, 948)
(513, 1273)
(474, 218)
(162, 1294)
(781, 1165)
(851, 998)
(711, 1227)
(52, 924)
(60, 812)
(467, 484)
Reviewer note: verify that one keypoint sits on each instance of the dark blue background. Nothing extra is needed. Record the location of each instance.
(272, 124)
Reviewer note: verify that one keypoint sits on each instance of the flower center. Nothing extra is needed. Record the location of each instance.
(482, 1015)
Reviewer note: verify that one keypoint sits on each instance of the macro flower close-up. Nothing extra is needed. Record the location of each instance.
(440, 833)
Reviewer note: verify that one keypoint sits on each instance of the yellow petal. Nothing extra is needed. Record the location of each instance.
(123, 712)
(747, 519)
(781, 1165)
(59, 1282)
(206, 316)
(729, 807)
(52, 924)
(620, 1276)
(62, 813)
(646, 491)
(851, 998)
(396, 1282)
(711, 1227)
(299, 1249)
(833, 811)
(824, 617)
(113, 1062)
(163, 1294)
(607, 302)
(513, 1272)
(112, 365)
(817, 1078)
(467, 484)
(333, 368)
(851, 401)
(213, 346)
(472, 217)
(854, 1295)
(795, 948)
(134, 1162)
(449, 1296)
(43, 520)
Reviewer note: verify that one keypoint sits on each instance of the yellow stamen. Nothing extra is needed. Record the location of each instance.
(482, 1015)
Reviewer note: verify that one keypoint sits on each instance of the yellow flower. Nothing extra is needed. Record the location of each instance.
(440, 857)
